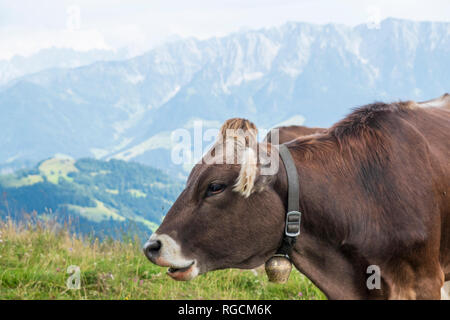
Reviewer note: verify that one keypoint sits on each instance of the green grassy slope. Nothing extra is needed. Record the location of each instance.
(34, 262)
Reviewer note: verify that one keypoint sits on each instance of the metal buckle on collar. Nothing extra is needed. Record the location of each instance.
(292, 228)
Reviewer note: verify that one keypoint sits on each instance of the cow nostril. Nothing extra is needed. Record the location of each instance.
(152, 247)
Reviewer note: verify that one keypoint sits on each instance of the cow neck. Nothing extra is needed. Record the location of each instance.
(293, 214)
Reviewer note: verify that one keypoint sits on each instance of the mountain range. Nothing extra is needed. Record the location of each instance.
(52, 58)
(294, 73)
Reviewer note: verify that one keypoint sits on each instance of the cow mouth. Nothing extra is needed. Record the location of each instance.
(185, 273)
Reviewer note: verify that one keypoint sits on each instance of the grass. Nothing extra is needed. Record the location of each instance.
(112, 191)
(10, 181)
(137, 193)
(98, 213)
(151, 225)
(51, 169)
(55, 168)
(34, 259)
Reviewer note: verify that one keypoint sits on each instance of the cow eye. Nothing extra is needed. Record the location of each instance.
(215, 188)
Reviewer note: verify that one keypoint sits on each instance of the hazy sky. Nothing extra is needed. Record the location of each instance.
(29, 25)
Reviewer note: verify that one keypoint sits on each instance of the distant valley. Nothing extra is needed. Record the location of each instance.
(102, 198)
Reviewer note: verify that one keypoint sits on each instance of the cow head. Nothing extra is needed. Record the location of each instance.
(228, 216)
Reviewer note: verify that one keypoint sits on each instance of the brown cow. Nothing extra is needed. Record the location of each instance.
(374, 190)
(288, 133)
(441, 102)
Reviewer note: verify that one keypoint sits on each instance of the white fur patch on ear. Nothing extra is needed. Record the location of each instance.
(247, 175)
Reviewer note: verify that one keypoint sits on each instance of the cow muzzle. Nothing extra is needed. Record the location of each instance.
(164, 251)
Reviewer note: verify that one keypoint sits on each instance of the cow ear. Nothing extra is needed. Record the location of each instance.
(248, 174)
(256, 174)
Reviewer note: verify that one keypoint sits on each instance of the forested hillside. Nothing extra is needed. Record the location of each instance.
(102, 197)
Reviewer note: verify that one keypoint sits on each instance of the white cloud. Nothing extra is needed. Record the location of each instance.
(73, 18)
(28, 25)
